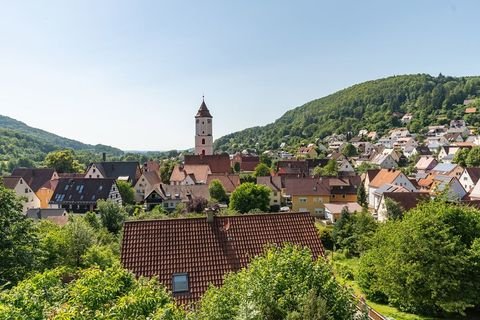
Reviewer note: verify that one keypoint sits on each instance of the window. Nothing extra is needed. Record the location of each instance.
(94, 170)
(203, 141)
(26, 190)
(180, 282)
(21, 181)
(198, 121)
(209, 120)
(302, 200)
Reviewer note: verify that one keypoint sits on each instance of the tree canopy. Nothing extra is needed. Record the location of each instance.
(249, 196)
(428, 262)
(217, 191)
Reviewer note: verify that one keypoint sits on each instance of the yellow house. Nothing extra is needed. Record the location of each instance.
(311, 194)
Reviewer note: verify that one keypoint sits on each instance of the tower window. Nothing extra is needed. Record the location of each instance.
(203, 141)
(203, 152)
(198, 121)
(209, 120)
(203, 122)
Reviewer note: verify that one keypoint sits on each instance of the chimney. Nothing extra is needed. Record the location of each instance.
(104, 156)
(210, 215)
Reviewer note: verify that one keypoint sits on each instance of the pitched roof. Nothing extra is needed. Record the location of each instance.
(390, 188)
(151, 166)
(152, 177)
(229, 181)
(338, 207)
(206, 251)
(408, 200)
(219, 163)
(198, 172)
(307, 186)
(474, 173)
(117, 169)
(181, 192)
(423, 150)
(371, 174)
(81, 190)
(444, 167)
(10, 182)
(203, 111)
(274, 183)
(385, 176)
(57, 216)
(425, 162)
(34, 177)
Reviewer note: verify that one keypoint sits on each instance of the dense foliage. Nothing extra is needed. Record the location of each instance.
(18, 241)
(353, 232)
(217, 191)
(284, 283)
(250, 196)
(428, 262)
(373, 105)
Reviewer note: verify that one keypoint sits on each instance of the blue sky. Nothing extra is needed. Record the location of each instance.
(131, 74)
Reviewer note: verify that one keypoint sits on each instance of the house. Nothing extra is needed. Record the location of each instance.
(336, 146)
(310, 194)
(190, 174)
(57, 216)
(406, 200)
(421, 151)
(435, 131)
(190, 255)
(405, 143)
(80, 195)
(150, 166)
(384, 161)
(129, 171)
(450, 184)
(275, 186)
(333, 211)
(378, 194)
(453, 137)
(364, 147)
(399, 133)
(426, 163)
(308, 152)
(448, 169)
(292, 168)
(307, 194)
(145, 184)
(469, 178)
(470, 110)
(170, 196)
(373, 135)
(28, 197)
(218, 163)
(387, 176)
(447, 152)
(345, 167)
(247, 162)
(367, 177)
(229, 181)
(42, 181)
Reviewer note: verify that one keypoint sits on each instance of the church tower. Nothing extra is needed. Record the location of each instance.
(203, 131)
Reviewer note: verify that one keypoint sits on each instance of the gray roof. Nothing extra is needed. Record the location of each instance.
(45, 213)
(81, 190)
(116, 169)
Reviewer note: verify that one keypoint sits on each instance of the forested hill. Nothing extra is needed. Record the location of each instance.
(374, 105)
(21, 144)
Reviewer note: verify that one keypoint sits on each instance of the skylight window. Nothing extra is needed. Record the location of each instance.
(180, 282)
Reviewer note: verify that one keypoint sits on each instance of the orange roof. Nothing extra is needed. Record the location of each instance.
(384, 176)
(470, 110)
(199, 172)
(229, 181)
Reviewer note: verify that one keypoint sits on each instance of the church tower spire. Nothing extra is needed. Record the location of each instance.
(203, 131)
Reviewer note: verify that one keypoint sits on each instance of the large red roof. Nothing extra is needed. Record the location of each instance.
(207, 251)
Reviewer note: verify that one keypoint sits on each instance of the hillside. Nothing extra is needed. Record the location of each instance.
(373, 105)
(24, 145)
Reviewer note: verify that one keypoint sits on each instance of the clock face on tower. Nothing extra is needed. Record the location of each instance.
(203, 131)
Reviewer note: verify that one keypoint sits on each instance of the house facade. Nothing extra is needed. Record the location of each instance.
(28, 198)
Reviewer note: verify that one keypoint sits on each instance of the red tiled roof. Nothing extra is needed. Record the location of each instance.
(407, 200)
(307, 186)
(207, 251)
(229, 181)
(34, 177)
(219, 163)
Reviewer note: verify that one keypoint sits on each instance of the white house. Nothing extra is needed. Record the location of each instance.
(145, 184)
(333, 211)
(345, 167)
(469, 178)
(23, 191)
(454, 188)
(384, 161)
(388, 176)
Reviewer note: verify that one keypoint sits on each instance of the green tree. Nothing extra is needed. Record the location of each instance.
(217, 191)
(112, 215)
(473, 158)
(166, 169)
(249, 196)
(393, 208)
(426, 263)
(330, 169)
(362, 196)
(284, 283)
(126, 192)
(18, 240)
(349, 150)
(266, 159)
(79, 236)
(461, 156)
(262, 170)
(63, 161)
(352, 232)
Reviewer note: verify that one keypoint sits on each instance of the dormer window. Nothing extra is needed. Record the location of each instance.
(180, 282)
